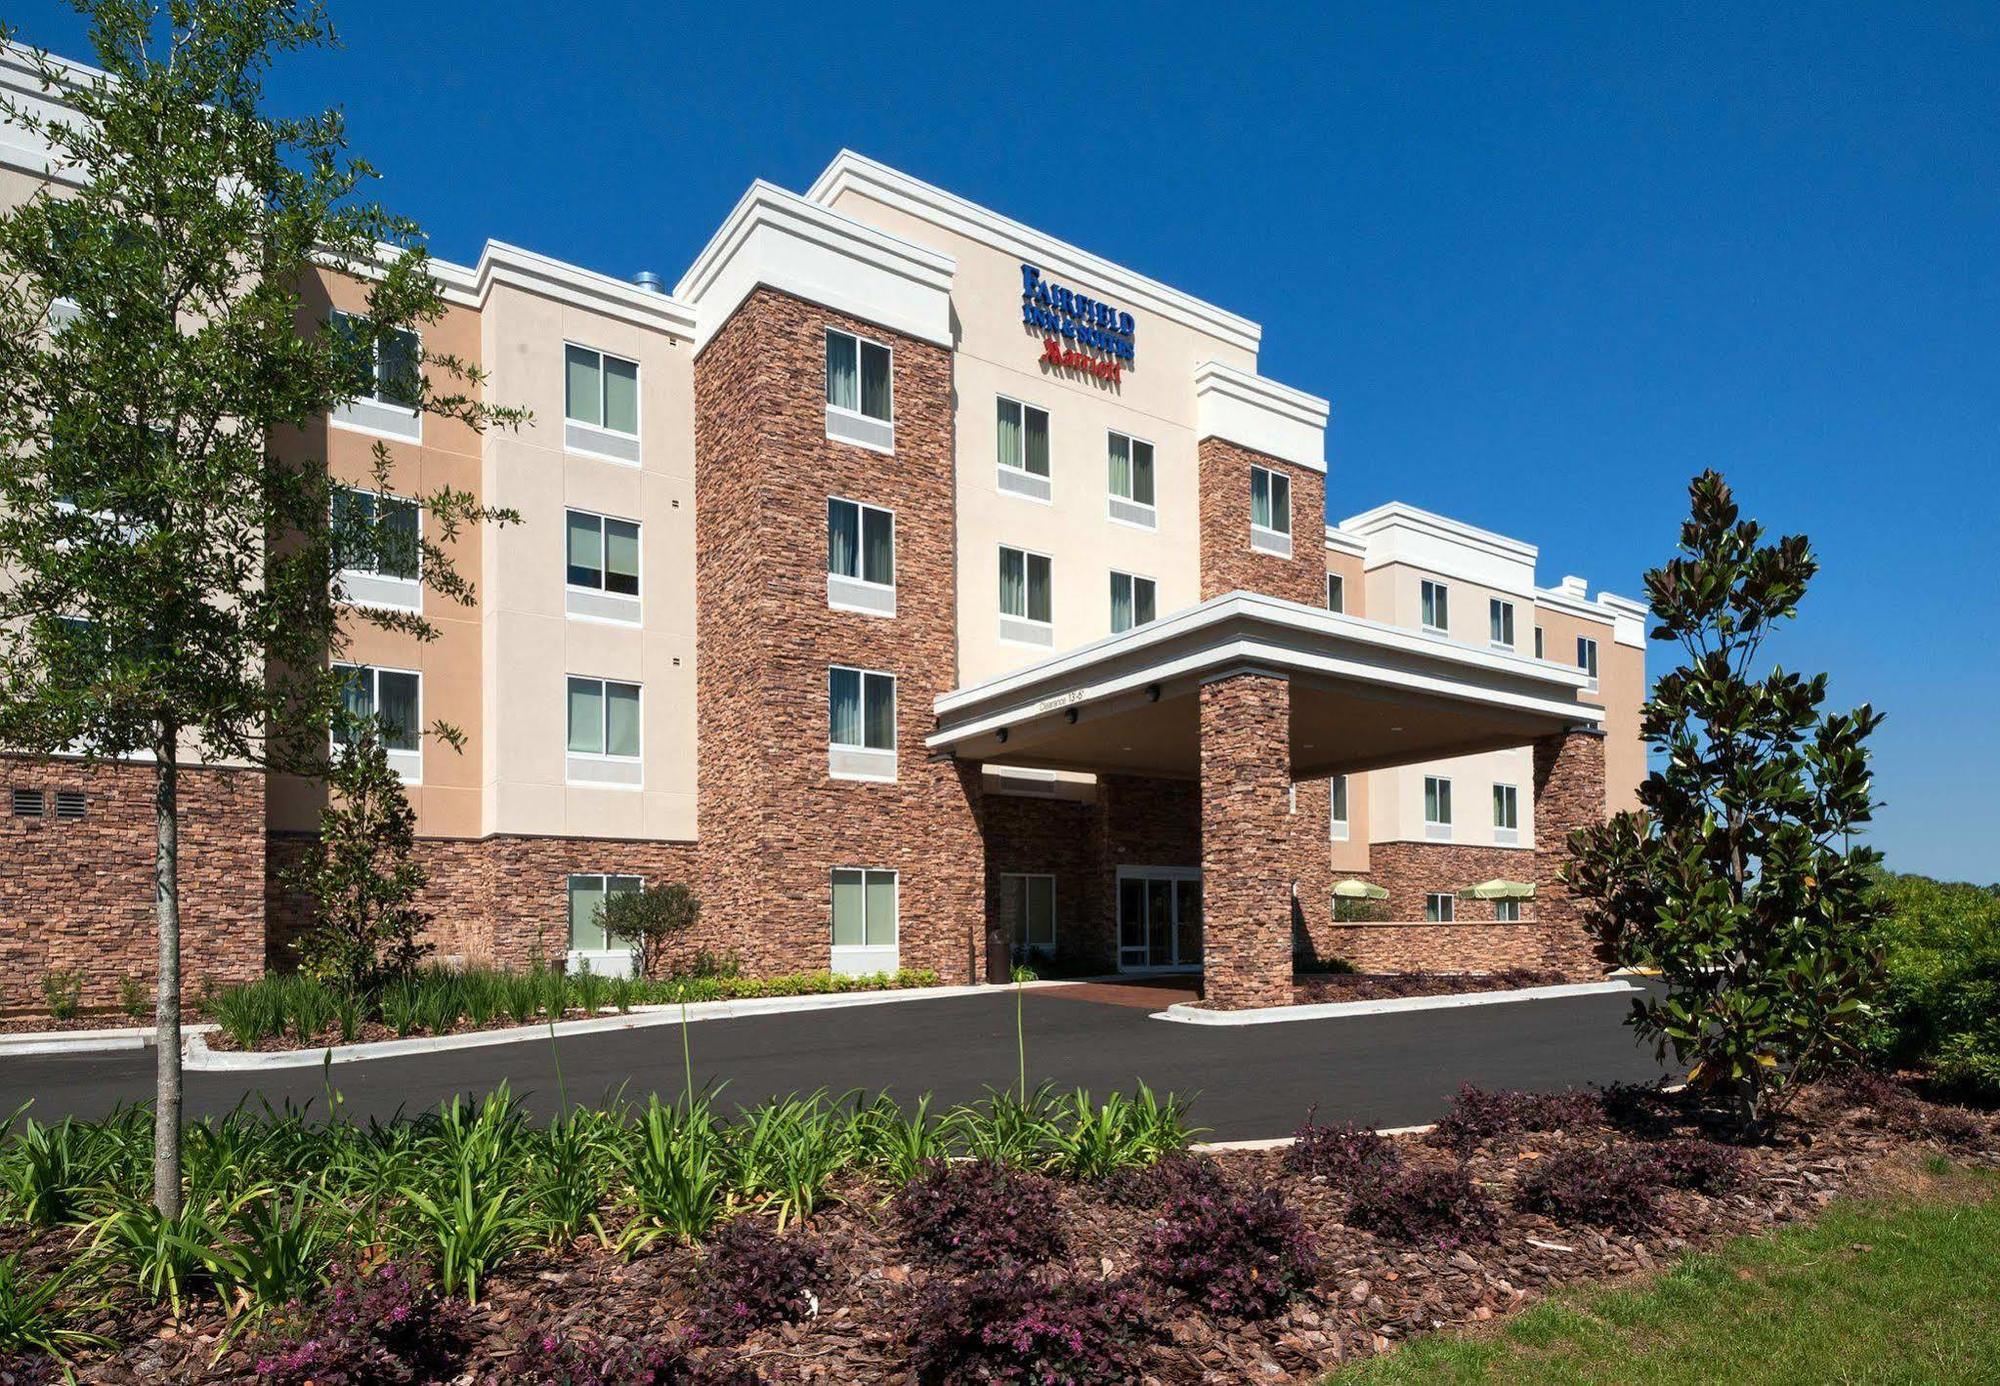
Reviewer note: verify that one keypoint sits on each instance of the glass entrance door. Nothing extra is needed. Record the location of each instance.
(1159, 918)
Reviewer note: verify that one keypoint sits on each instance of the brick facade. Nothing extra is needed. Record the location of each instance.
(773, 823)
(76, 894)
(1245, 840)
(1063, 838)
(1228, 563)
(1569, 794)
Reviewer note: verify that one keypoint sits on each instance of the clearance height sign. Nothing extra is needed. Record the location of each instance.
(1079, 333)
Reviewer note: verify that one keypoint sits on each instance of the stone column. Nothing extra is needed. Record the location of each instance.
(1569, 794)
(1246, 774)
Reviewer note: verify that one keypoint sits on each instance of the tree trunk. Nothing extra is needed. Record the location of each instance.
(167, 1007)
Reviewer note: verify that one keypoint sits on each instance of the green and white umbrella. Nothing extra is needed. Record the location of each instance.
(1499, 890)
(1358, 890)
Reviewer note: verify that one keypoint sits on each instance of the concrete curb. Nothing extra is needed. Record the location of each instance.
(1334, 1010)
(200, 1058)
(30, 1043)
(1284, 1142)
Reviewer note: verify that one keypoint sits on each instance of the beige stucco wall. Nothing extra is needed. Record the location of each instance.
(532, 645)
(1621, 690)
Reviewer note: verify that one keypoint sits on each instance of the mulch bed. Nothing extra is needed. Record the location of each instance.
(96, 1020)
(1370, 1294)
(1311, 988)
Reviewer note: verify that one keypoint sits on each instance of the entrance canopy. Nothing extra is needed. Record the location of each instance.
(1365, 695)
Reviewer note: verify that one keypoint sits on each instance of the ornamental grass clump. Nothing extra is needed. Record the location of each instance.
(1345, 1156)
(1599, 1186)
(384, 1325)
(979, 1214)
(1241, 1255)
(753, 1277)
(1439, 1208)
(1005, 1326)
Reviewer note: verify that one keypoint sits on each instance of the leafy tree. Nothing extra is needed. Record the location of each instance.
(160, 361)
(649, 919)
(1941, 1005)
(1740, 882)
(359, 874)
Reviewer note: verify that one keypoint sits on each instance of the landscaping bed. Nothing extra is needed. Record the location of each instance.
(1313, 988)
(1092, 1241)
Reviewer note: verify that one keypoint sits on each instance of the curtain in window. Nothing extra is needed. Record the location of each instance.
(878, 555)
(586, 717)
(1142, 472)
(1013, 583)
(881, 909)
(1008, 424)
(1143, 595)
(585, 566)
(399, 372)
(843, 386)
(1038, 587)
(1281, 503)
(1260, 498)
(843, 702)
(849, 909)
(396, 707)
(843, 538)
(621, 395)
(1037, 455)
(875, 381)
(881, 713)
(583, 398)
(1121, 466)
(586, 897)
(357, 697)
(621, 719)
(401, 554)
(621, 557)
(1121, 602)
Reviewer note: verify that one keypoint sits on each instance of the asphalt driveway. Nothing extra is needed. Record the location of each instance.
(1249, 1081)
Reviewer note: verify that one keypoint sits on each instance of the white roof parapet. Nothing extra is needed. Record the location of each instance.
(779, 239)
(1628, 626)
(1626, 617)
(501, 263)
(951, 212)
(1340, 541)
(1260, 414)
(1401, 533)
(21, 83)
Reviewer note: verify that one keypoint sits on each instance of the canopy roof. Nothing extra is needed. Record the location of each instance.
(1498, 890)
(1359, 890)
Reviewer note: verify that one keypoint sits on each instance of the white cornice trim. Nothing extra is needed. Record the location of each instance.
(1353, 545)
(1059, 259)
(20, 81)
(1399, 514)
(777, 238)
(1260, 414)
(501, 263)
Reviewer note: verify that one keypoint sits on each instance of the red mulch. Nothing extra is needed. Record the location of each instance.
(1311, 988)
(1370, 1296)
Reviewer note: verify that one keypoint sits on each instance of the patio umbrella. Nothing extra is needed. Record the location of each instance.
(1499, 890)
(1358, 890)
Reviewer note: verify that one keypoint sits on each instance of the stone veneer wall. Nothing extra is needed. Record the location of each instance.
(1228, 563)
(1569, 794)
(1063, 838)
(77, 894)
(1245, 841)
(773, 823)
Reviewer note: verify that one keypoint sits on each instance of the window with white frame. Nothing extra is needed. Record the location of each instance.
(1336, 592)
(393, 697)
(1134, 601)
(860, 557)
(1586, 659)
(861, 723)
(1506, 815)
(860, 403)
(1437, 806)
(1270, 511)
(395, 360)
(378, 548)
(1337, 810)
(1440, 907)
(1500, 623)
(864, 910)
(603, 718)
(588, 892)
(1507, 911)
(1028, 909)
(1026, 603)
(1023, 434)
(1130, 461)
(600, 390)
(601, 554)
(1436, 600)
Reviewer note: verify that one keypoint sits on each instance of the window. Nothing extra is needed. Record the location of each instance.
(857, 376)
(602, 554)
(601, 391)
(861, 709)
(1538, 643)
(1507, 911)
(1437, 806)
(393, 697)
(1133, 601)
(1336, 592)
(603, 718)
(1437, 607)
(1025, 604)
(1337, 813)
(1131, 480)
(1023, 432)
(1586, 659)
(1028, 907)
(376, 535)
(394, 360)
(1500, 623)
(864, 908)
(1271, 511)
(1440, 908)
(1506, 814)
(860, 557)
(587, 894)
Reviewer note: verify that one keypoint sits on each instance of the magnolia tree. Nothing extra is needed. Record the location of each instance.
(161, 360)
(1740, 882)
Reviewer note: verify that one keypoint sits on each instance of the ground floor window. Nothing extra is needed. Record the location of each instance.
(1028, 909)
(864, 908)
(1439, 908)
(587, 894)
(1507, 911)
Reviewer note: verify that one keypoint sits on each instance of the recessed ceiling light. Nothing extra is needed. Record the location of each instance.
(1395, 729)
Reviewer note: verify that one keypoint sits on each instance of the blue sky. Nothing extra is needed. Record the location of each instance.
(1546, 263)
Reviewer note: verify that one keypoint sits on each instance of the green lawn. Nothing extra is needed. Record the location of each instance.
(1903, 1291)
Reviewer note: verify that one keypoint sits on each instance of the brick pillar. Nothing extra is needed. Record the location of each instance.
(1246, 883)
(1569, 794)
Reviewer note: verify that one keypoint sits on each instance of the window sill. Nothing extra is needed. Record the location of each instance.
(860, 595)
(607, 445)
(846, 426)
(1019, 630)
(372, 589)
(1137, 514)
(1271, 541)
(379, 419)
(1015, 481)
(611, 608)
(860, 763)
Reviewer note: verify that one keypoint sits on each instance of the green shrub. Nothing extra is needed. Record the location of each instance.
(1940, 1007)
(63, 990)
(133, 997)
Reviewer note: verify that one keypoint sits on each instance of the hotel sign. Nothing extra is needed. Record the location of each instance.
(1079, 333)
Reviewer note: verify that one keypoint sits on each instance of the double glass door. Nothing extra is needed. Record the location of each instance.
(1159, 918)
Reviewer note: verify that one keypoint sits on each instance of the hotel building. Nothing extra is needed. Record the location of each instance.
(920, 588)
